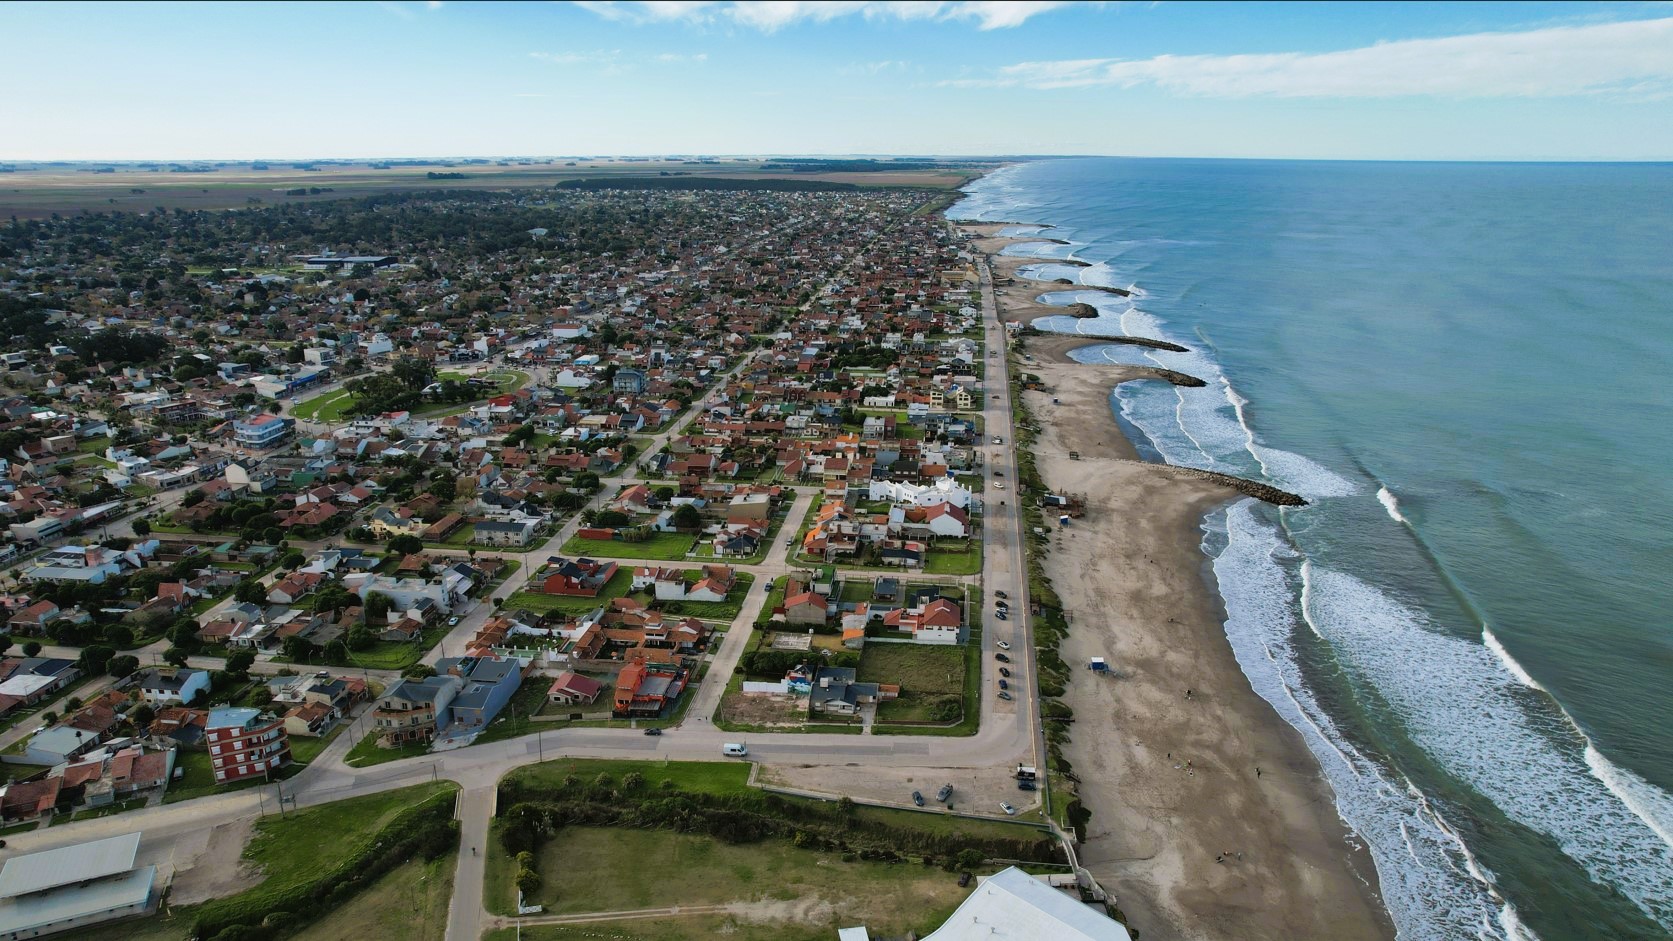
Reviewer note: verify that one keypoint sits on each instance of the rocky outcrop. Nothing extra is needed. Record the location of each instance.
(1146, 341)
(1081, 311)
(1249, 488)
(1179, 378)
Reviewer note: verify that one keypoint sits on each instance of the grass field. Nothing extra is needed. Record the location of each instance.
(330, 407)
(671, 547)
(953, 561)
(410, 903)
(927, 675)
(197, 778)
(634, 869)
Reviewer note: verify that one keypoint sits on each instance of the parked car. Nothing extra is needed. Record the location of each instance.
(453, 621)
(1001, 658)
(963, 878)
(1004, 695)
(1025, 785)
(999, 485)
(1000, 614)
(918, 798)
(1004, 645)
(1009, 810)
(653, 731)
(1004, 671)
(1000, 594)
(945, 792)
(1004, 684)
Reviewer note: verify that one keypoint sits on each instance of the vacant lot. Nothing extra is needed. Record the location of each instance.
(330, 407)
(668, 546)
(931, 680)
(773, 881)
(541, 603)
(409, 902)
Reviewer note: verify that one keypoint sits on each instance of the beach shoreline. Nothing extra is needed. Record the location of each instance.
(1187, 837)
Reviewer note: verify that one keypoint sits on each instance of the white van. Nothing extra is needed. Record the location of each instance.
(734, 750)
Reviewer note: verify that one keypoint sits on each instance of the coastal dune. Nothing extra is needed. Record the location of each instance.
(1190, 841)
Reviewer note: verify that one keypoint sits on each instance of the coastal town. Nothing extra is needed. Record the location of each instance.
(322, 506)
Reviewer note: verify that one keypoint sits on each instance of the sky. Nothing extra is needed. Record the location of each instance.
(407, 78)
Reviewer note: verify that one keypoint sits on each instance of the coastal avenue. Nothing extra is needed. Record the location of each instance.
(1009, 733)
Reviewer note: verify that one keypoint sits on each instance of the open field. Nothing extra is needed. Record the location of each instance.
(774, 881)
(35, 192)
(541, 603)
(329, 407)
(930, 678)
(409, 903)
(669, 547)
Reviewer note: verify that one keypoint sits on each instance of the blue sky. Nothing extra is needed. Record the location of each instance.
(412, 78)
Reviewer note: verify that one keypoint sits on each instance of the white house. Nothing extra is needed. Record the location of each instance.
(943, 490)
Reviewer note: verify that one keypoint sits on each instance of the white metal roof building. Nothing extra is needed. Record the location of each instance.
(1012, 905)
(73, 887)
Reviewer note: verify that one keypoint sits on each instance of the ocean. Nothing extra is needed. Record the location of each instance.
(1465, 368)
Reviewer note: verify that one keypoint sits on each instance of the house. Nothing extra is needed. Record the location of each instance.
(489, 683)
(1013, 904)
(310, 719)
(245, 742)
(573, 689)
(644, 689)
(505, 532)
(33, 679)
(937, 622)
(412, 710)
(804, 608)
(835, 690)
(180, 726)
(33, 619)
(582, 578)
(59, 744)
(262, 431)
(167, 687)
(295, 587)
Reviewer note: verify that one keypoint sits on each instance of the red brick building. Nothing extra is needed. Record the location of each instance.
(244, 743)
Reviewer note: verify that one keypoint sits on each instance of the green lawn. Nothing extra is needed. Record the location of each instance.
(715, 610)
(635, 869)
(540, 603)
(666, 546)
(330, 407)
(366, 752)
(953, 561)
(458, 539)
(928, 676)
(305, 748)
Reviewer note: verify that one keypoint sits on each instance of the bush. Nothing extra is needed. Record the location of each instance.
(528, 881)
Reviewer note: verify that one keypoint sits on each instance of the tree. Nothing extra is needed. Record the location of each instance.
(142, 715)
(122, 666)
(378, 605)
(361, 638)
(444, 487)
(96, 658)
(32, 648)
(192, 498)
(664, 493)
(5, 644)
(175, 656)
(687, 517)
(336, 652)
(299, 649)
(611, 519)
(419, 671)
(142, 528)
(250, 591)
(240, 661)
(406, 545)
(293, 560)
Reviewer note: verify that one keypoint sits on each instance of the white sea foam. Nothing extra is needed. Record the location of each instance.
(1491, 640)
(1463, 705)
(1392, 505)
(1424, 871)
(1653, 805)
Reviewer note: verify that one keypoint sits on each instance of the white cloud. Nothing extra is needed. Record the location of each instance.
(577, 58)
(771, 15)
(679, 57)
(1631, 58)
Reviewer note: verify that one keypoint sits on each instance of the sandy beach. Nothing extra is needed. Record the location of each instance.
(1193, 844)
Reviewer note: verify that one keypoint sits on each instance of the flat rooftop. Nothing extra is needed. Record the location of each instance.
(36, 872)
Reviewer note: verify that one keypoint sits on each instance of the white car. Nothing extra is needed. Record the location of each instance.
(1004, 645)
(1009, 810)
(453, 622)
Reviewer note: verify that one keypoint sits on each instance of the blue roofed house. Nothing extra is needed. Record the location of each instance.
(489, 684)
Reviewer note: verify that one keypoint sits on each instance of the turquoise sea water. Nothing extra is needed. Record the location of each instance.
(1465, 367)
